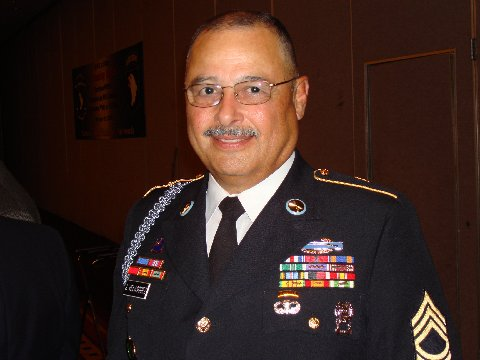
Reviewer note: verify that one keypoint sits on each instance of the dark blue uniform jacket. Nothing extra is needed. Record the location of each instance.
(376, 296)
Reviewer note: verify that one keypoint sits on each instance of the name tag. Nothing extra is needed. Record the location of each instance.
(136, 289)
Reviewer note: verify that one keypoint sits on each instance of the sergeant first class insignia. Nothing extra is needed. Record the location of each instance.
(430, 332)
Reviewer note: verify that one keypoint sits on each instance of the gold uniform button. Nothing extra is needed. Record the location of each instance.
(203, 325)
(131, 349)
(129, 307)
(324, 172)
(313, 323)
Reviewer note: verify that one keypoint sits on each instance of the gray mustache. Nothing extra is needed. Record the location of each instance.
(219, 131)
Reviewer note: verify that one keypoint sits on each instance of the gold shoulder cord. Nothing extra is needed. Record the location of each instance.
(198, 177)
(353, 185)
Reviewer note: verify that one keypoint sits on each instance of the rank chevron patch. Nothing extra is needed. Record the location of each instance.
(430, 332)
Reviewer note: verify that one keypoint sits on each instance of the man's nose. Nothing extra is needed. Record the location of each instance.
(228, 108)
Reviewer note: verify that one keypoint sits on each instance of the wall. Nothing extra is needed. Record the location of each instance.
(94, 182)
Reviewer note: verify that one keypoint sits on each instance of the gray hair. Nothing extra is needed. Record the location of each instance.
(240, 19)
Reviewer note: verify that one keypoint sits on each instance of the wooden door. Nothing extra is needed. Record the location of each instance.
(415, 130)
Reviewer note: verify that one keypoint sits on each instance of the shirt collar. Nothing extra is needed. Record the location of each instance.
(254, 199)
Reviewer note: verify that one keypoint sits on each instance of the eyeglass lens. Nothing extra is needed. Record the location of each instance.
(246, 92)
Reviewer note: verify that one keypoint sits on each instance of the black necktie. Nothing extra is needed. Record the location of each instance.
(225, 240)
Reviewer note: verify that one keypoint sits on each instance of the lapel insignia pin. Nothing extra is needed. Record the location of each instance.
(343, 318)
(158, 246)
(287, 304)
(296, 207)
(186, 209)
(430, 332)
(324, 246)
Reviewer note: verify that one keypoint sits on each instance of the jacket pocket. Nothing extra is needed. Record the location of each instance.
(321, 312)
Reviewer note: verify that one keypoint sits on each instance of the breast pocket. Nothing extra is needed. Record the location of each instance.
(321, 312)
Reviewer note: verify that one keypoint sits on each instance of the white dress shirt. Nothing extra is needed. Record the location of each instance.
(253, 201)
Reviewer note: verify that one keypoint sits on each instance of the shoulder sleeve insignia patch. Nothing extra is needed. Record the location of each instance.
(171, 183)
(323, 174)
(430, 332)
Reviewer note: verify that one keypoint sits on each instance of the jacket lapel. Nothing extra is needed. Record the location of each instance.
(186, 245)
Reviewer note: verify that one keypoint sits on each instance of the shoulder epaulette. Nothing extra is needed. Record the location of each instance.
(198, 177)
(323, 176)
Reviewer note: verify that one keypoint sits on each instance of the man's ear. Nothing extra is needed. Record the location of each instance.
(300, 96)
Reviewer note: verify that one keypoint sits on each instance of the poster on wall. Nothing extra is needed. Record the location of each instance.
(108, 96)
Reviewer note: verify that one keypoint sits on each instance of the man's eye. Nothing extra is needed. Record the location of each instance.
(207, 90)
(253, 89)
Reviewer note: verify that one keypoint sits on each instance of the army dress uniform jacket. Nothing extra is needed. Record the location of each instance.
(332, 268)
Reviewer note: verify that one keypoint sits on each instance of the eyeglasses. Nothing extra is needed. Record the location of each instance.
(252, 92)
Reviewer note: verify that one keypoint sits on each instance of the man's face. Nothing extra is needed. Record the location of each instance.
(226, 57)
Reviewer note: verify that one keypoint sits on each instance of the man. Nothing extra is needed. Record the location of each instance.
(15, 203)
(39, 309)
(322, 266)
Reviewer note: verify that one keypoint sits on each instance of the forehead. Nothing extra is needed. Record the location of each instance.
(237, 52)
